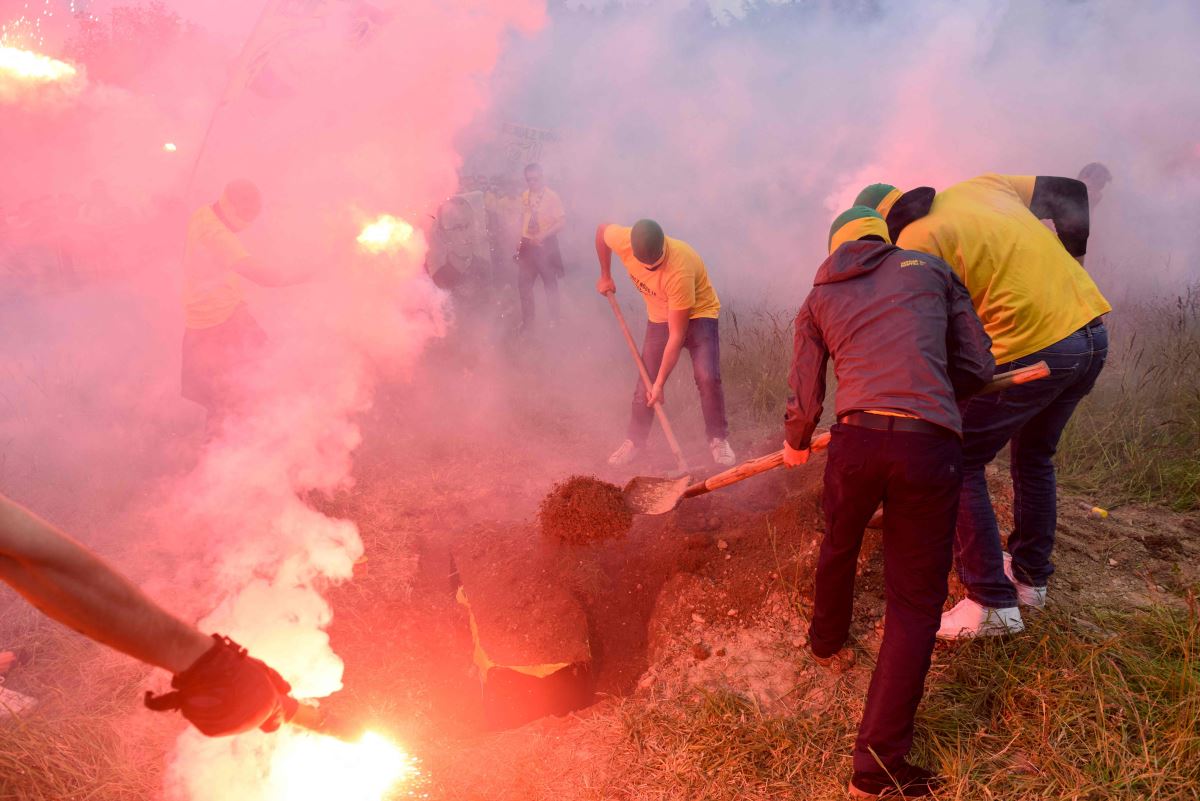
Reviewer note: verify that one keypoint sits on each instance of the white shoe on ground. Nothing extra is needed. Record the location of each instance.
(13, 704)
(1027, 595)
(968, 619)
(624, 454)
(721, 452)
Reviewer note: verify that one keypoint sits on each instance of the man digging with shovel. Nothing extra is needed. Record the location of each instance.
(683, 309)
(906, 346)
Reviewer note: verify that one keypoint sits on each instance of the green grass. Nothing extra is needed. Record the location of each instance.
(1136, 437)
(1070, 710)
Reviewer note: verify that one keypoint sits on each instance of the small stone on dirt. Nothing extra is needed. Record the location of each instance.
(1112, 562)
(722, 544)
(697, 618)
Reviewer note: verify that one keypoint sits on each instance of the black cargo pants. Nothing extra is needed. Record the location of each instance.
(917, 476)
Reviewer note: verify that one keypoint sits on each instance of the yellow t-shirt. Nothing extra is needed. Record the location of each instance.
(211, 288)
(680, 283)
(545, 209)
(1029, 292)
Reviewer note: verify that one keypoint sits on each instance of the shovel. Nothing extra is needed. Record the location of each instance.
(648, 495)
(668, 432)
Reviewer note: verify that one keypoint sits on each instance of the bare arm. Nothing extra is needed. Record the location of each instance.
(257, 272)
(677, 328)
(73, 586)
(604, 254)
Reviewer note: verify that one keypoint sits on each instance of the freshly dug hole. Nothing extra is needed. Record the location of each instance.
(584, 509)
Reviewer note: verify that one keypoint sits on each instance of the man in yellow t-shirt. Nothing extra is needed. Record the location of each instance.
(1037, 303)
(220, 338)
(538, 255)
(683, 309)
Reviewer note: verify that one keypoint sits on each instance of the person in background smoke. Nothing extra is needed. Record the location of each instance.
(906, 347)
(683, 310)
(221, 339)
(1037, 303)
(1095, 177)
(218, 687)
(542, 217)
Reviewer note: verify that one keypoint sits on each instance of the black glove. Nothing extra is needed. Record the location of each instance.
(227, 692)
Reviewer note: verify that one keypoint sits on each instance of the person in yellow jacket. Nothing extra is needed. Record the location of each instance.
(221, 339)
(1037, 303)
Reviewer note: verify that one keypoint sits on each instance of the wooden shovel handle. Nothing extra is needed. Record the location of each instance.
(1022, 375)
(750, 468)
(668, 432)
(762, 464)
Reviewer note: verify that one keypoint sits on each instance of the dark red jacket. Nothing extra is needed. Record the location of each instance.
(903, 335)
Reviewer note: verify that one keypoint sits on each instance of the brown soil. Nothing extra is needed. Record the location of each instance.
(584, 509)
(520, 597)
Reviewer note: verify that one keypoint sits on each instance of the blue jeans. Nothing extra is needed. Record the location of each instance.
(703, 344)
(1032, 416)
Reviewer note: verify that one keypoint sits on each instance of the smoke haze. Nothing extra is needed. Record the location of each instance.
(743, 127)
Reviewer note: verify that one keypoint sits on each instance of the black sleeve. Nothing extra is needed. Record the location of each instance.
(1065, 201)
(806, 381)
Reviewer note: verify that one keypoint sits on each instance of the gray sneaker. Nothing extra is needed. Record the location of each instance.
(722, 454)
(14, 704)
(1033, 597)
(624, 454)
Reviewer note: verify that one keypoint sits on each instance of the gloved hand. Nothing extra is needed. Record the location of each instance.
(228, 692)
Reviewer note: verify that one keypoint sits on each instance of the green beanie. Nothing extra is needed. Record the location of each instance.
(879, 197)
(855, 223)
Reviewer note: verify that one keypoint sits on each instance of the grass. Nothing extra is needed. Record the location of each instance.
(1136, 437)
(1071, 710)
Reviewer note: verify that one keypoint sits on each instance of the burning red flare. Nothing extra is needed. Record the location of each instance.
(386, 233)
(312, 767)
(31, 67)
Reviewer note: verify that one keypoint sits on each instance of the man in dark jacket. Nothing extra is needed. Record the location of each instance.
(906, 346)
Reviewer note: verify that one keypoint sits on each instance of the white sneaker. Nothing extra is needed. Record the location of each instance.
(1034, 597)
(969, 619)
(624, 454)
(721, 452)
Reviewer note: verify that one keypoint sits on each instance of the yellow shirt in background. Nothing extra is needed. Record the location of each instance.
(1029, 292)
(540, 212)
(680, 283)
(211, 288)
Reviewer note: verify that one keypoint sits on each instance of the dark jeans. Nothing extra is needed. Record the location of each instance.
(534, 261)
(703, 344)
(1032, 416)
(917, 476)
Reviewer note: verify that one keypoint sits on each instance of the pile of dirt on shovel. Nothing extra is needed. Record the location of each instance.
(584, 509)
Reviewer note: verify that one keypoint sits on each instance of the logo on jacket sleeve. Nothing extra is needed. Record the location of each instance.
(911, 263)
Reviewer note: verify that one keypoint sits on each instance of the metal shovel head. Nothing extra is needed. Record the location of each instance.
(649, 495)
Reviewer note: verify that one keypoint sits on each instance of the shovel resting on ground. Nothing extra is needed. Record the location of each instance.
(649, 495)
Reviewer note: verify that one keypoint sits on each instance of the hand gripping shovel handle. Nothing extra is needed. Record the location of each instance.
(668, 432)
(762, 464)
(747, 469)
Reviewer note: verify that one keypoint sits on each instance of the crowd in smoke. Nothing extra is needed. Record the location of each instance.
(742, 132)
(746, 138)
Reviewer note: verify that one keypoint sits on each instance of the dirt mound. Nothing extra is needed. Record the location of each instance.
(584, 509)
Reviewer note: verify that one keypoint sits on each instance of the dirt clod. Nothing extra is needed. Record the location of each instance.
(584, 509)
